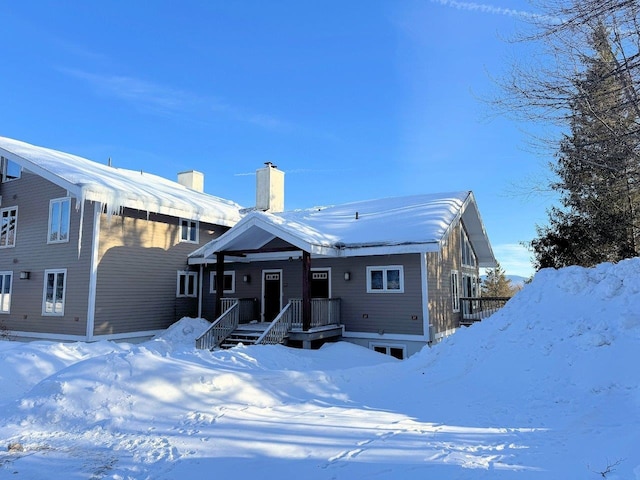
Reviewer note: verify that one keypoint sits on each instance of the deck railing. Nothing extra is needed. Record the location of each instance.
(475, 309)
(324, 312)
(222, 327)
(278, 329)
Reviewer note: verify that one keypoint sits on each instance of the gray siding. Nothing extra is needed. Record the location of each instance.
(31, 194)
(361, 311)
(138, 260)
(439, 267)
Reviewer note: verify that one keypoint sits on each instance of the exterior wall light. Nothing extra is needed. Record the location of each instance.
(246, 278)
(25, 275)
(347, 276)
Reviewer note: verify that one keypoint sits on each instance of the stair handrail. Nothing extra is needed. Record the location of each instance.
(278, 329)
(220, 329)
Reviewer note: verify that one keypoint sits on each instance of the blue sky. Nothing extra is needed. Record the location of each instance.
(353, 100)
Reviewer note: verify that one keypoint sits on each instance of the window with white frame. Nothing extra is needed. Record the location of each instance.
(59, 215)
(9, 170)
(6, 280)
(468, 255)
(55, 284)
(396, 351)
(455, 291)
(387, 279)
(8, 224)
(229, 285)
(187, 284)
(188, 231)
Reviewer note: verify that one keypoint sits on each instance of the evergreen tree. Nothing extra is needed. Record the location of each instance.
(496, 284)
(597, 170)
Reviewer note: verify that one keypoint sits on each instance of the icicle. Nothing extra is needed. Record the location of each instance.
(80, 226)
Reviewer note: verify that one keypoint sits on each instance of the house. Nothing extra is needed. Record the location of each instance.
(89, 251)
(389, 274)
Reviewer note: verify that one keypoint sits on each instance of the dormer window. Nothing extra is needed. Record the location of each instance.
(10, 170)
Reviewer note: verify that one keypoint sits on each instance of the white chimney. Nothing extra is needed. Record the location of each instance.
(192, 179)
(270, 189)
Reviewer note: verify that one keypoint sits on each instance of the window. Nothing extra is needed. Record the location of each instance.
(395, 351)
(468, 256)
(229, 285)
(5, 291)
(187, 282)
(455, 295)
(8, 221)
(59, 213)
(10, 170)
(385, 279)
(188, 231)
(54, 292)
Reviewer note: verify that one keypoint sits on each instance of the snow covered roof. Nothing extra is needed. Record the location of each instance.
(117, 187)
(411, 224)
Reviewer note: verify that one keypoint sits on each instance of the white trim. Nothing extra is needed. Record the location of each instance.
(81, 338)
(385, 269)
(200, 278)
(386, 336)
(124, 336)
(15, 227)
(2, 274)
(48, 336)
(424, 280)
(192, 225)
(328, 270)
(93, 270)
(455, 295)
(4, 170)
(186, 274)
(262, 276)
(60, 201)
(55, 272)
(401, 346)
(439, 336)
(231, 273)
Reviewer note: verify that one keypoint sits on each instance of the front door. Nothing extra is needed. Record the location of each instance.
(271, 294)
(320, 284)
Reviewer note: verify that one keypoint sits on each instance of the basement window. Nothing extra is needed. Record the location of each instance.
(396, 351)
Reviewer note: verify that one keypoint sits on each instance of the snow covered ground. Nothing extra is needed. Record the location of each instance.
(548, 388)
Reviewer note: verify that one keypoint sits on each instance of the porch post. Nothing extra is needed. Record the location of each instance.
(306, 291)
(219, 282)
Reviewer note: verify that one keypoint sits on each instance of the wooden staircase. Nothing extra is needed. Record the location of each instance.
(247, 334)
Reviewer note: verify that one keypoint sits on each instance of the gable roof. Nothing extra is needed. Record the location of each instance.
(117, 187)
(412, 224)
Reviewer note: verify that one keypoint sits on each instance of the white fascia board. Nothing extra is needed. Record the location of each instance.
(131, 335)
(276, 232)
(386, 336)
(390, 249)
(47, 336)
(72, 188)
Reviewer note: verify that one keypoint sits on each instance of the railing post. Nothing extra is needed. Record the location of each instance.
(306, 291)
(219, 282)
